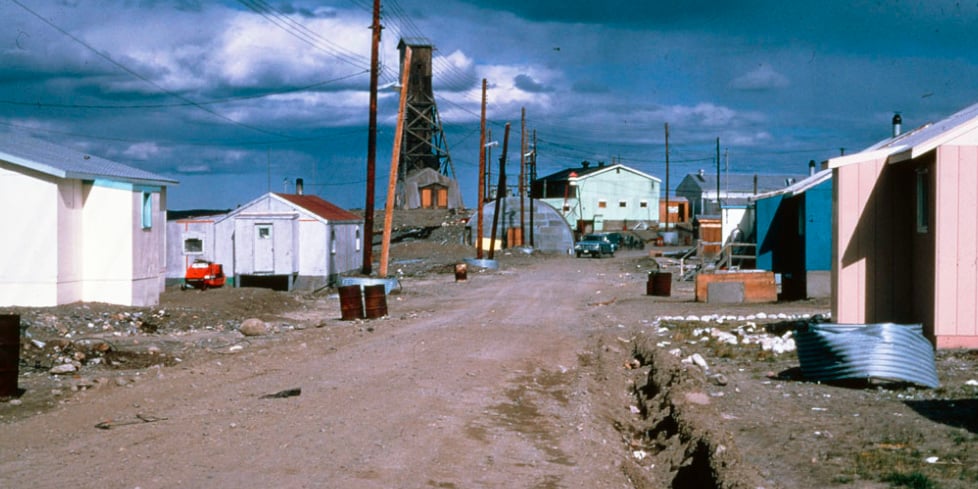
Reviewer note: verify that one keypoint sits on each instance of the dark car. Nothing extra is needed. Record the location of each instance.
(595, 245)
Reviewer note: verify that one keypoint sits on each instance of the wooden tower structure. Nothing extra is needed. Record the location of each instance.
(423, 146)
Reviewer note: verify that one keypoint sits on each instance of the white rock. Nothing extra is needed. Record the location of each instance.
(972, 382)
(761, 315)
(63, 369)
(692, 318)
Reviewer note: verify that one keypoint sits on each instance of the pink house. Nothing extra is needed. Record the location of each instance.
(905, 231)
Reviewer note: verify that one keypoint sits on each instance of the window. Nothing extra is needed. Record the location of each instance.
(264, 232)
(623, 204)
(923, 211)
(643, 204)
(193, 246)
(147, 214)
(602, 204)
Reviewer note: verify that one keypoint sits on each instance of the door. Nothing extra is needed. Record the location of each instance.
(264, 248)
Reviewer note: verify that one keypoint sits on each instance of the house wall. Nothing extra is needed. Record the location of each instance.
(177, 231)
(29, 258)
(107, 242)
(284, 242)
(955, 232)
(346, 252)
(70, 273)
(873, 258)
(615, 188)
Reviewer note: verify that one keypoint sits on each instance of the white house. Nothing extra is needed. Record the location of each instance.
(283, 241)
(78, 227)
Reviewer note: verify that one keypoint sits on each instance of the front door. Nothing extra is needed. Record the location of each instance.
(264, 248)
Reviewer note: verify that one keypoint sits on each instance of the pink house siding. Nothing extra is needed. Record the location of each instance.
(956, 247)
(890, 266)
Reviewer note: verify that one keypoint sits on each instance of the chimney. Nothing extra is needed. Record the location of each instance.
(585, 164)
(298, 186)
(600, 164)
(811, 167)
(897, 122)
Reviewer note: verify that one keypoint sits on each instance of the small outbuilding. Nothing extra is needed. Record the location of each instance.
(905, 234)
(280, 241)
(78, 227)
(546, 229)
(794, 236)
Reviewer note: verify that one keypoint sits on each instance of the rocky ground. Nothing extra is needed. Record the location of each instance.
(549, 372)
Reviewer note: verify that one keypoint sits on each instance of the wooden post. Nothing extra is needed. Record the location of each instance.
(500, 192)
(482, 172)
(368, 207)
(521, 188)
(395, 159)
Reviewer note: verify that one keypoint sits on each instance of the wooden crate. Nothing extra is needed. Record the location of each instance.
(759, 286)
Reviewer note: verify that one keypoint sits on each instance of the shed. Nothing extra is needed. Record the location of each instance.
(550, 232)
(601, 197)
(281, 241)
(78, 227)
(905, 235)
(794, 236)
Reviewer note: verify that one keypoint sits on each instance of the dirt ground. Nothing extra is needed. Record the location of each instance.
(550, 372)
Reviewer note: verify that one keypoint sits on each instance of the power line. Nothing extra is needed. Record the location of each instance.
(181, 104)
(141, 77)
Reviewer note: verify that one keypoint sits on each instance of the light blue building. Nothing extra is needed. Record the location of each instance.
(601, 197)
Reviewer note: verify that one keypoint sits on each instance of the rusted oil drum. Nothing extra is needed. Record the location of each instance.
(659, 284)
(351, 302)
(375, 301)
(9, 353)
(461, 272)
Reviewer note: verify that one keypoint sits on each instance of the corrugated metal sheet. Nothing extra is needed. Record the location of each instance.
(887, 351)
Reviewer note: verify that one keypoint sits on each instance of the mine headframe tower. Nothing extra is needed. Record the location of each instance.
(424, 144)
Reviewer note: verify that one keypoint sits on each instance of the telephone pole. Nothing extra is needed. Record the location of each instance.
(368, 207)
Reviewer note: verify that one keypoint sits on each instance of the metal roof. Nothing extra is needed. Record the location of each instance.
(61, 162)
(581, 172)
(799, 187)
(912, 144)
(319, 207)
(739, 182)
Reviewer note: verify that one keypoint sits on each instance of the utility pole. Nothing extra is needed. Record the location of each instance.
(667, 176)
(482, 172)
(533, 176)
(368, 207)
(718, 174)
(500, 192)
(521, 188)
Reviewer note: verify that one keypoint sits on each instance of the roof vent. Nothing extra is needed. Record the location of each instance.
(585, 164)
(811, 167)
(298, 186)
(897, 123)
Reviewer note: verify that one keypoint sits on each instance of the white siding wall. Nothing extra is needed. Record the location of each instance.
(107, 243)
(29, 247)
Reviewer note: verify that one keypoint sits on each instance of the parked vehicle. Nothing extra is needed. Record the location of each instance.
(203, 274)
(595, 245)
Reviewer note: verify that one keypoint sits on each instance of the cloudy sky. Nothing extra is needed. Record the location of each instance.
(235, 98)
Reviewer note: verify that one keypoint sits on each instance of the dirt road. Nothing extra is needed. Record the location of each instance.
(553, 372)
(474, 384)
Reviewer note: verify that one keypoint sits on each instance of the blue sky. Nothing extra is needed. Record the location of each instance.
(235, 98)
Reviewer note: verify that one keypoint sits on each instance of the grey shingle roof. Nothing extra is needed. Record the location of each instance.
(58, 161)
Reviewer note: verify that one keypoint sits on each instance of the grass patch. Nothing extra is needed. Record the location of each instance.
(912, 480)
